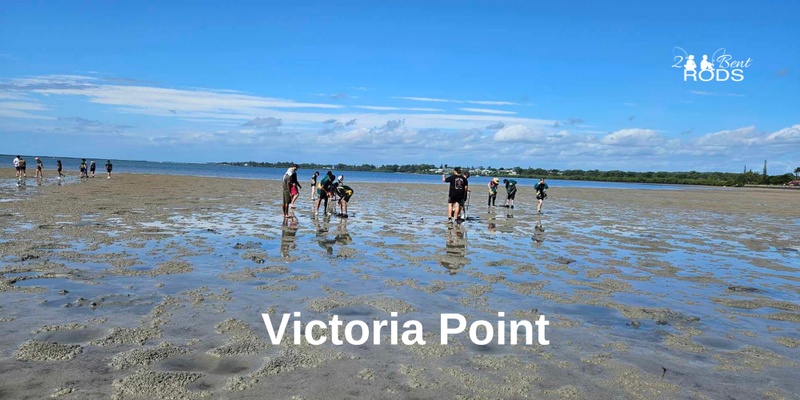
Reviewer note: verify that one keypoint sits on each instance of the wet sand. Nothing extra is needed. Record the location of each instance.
(148, 286)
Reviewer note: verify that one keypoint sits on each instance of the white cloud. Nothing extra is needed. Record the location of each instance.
(632, 137)
(785, 135)
(487, 111)
(384, 108)
(517, 133)
(481, 102)
(728, 138)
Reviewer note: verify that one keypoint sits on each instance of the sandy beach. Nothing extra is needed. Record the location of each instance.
(153, 286)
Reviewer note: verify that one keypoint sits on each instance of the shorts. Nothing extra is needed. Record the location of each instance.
(512, 195)
(287, 197)
(321, 193)
(19, 169)
(83, 170)
(346, 198)
(293, 191)
(457, 199)
(541, 196)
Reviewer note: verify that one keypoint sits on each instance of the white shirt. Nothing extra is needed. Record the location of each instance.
(16, 162)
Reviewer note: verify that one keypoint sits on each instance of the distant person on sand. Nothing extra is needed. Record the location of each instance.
(39, 168)
(493, 184)
(92, 167)
(345, 193)
(16, 166)
(541, 194)
(84, 170)
(109, 167)
(511, 190)
(324, 191)
(455, 199)
(289, 178)
(58, 168)
(314, 185)
(22, 172)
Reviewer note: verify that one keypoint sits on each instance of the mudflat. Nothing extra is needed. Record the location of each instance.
(153, 286)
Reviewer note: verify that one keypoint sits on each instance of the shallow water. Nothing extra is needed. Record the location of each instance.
(640, 279)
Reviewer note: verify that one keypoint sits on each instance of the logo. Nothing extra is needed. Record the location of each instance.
(720, 67)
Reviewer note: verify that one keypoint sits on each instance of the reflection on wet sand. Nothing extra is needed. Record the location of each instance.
(538, 232)
(288, 237)
(455, 249)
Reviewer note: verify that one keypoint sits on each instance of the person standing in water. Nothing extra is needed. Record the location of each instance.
(109, 167)
(314, 185)
(324, 191)
(493, 184)
(289, 178)
(39, 168)
(345, 193)
(16, 166)
(295, 191)
(457, 193)
(22, 172)
(58, 168)
(84, 169)
(541, 194)
(511, 190)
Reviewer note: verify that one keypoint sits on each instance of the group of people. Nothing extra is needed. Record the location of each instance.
(459, 193)
(323, 190)
(20, 166)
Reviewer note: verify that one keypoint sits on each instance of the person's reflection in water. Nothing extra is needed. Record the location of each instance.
(342, 235)
(288, 237)
(510, 213)
(323, 238)
(455, 256)
(538, 232)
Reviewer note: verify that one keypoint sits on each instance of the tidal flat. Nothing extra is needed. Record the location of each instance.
(153, 286)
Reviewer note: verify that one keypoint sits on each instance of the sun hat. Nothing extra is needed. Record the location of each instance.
(340, 178)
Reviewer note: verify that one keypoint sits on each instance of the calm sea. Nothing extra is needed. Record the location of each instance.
(227, 171)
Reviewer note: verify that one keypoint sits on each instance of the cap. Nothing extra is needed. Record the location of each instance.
(340, 178)
(496, 179)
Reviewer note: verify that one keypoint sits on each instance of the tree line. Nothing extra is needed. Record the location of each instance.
(662, 177)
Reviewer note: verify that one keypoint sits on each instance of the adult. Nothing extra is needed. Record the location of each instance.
(22, 172)
(511, 191)
(345, 193)
(84, 169)
(92, 167)
(541, 194)
(289, 178)
(39, 168)
(59, 168)
(493, 184)
(16, 165)
(314, 185)
(324, 191)
(109, 167)
(457, 194)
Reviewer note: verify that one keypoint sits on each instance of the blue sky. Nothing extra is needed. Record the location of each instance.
(540, 84)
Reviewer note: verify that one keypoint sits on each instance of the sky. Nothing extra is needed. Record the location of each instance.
(542, 84)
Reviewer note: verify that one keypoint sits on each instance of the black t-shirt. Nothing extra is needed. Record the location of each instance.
(458, 186)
